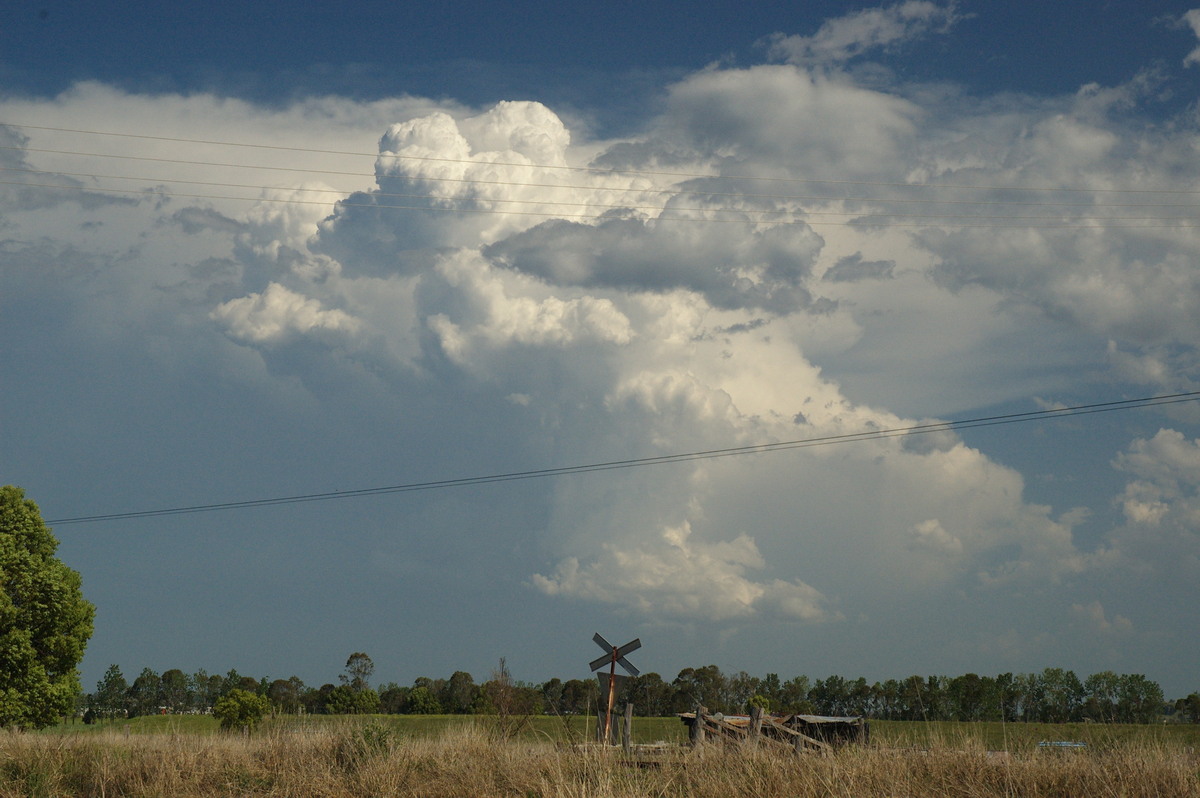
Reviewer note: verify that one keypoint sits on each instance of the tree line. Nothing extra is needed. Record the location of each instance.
(1053, 696)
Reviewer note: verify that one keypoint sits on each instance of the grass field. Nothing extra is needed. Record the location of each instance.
(436, 757)
(540, 727)
(992, 736)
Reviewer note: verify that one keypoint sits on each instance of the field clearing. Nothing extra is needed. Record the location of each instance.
(449, 756)
(992, 736)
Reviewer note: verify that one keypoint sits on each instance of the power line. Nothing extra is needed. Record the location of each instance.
(827, 440)
(593, 188)
(598, 170)
(858, 219)
(856, 216)
(600, 190)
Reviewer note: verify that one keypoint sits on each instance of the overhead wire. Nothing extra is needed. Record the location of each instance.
(858, 219)
(599, 170)
(803, 214)
(1063, 214)
(542, 473)
(857, 216)
(608, 189)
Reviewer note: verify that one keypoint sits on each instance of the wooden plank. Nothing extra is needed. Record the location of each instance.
(797, 737)
(728, 728)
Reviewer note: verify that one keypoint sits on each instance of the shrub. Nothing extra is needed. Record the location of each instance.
(240, 708)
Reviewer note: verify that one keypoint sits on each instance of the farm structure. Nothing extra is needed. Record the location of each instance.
(803, 733)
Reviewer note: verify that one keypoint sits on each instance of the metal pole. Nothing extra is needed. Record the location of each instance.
(612, 695)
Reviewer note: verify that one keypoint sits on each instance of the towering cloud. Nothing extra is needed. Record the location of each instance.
(783, 255)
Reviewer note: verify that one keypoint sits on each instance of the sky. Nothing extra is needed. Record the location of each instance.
(287, 250)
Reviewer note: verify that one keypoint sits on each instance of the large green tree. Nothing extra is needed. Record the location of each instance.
(44, 620)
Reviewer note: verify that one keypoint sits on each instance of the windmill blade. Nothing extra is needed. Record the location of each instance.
(632, 645)
(613, 653)
(627, 665)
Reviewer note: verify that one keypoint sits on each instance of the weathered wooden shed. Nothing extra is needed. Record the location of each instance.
(801, 732)
(835, 731)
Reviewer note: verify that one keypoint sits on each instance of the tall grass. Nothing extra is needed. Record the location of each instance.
(373, 759)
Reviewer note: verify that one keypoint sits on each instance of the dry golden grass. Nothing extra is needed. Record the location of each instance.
(370, 760)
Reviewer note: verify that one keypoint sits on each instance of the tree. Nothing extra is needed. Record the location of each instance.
(552, 696)
(862, 697)
(422, 701)
(359, 668)
(110, 700)
(1101, 692)
(793, 696)
(1062, 695)
(235, 681)
(205, 690)
(1189, 708)
(315, 699)
(144, 694)
(1141, 699)
(706, 686)
(1007, 697)
(240, 708)
(740, 688)
(651, 696)
(285, 694)
(173, 690)
(580, 696)
(511, 703)
(914, 695)
(459, 694)
(771, 688)
(831, 696)
(392, 698)
(968, 696)
(345, 700)
(45, 622)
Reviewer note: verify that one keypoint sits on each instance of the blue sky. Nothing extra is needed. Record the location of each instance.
(589, 55)
(624, 232)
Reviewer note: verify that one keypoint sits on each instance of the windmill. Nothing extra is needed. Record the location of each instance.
(613, 656)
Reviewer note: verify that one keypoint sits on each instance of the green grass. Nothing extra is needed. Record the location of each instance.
(572, 729)
(1021, 737)
(992, 736)
(149, 724)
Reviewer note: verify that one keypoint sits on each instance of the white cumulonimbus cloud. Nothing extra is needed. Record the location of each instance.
(499, 289)
(693, 328)
(677, 578)
(278, 313)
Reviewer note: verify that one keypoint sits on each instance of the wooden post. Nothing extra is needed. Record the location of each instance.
(609, 731)
(627, 728)
(756, 714)
(697, 735)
